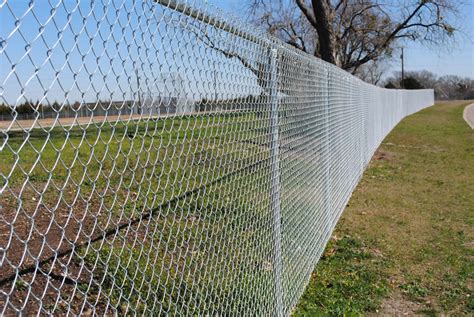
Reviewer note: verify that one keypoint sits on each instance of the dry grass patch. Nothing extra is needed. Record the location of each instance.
(415, 205)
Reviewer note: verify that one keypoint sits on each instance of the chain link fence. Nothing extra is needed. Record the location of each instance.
(212, 192)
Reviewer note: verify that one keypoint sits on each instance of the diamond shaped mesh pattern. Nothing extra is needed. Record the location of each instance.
(159, 157)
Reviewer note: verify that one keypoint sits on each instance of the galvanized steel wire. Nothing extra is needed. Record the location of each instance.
(177, 160)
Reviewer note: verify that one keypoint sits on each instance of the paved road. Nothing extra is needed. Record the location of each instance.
(469, 115)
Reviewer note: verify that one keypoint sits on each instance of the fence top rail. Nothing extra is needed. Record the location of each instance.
(256, 35)
(217, 22)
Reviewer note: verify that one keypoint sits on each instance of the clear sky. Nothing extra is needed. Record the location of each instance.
(457, 59)
(72, 51)
(69, 51)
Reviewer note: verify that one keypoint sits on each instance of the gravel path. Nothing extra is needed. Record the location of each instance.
(469, 115)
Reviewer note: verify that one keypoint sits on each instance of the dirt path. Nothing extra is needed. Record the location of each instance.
(19, 125)
(469, 115)
(25, 125)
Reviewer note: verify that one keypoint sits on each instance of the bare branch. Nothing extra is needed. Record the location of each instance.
(307, 12)
(206, 40)
(351, 33)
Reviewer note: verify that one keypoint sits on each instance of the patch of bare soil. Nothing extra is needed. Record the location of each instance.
(65, 285)
(41, 271)
(34, 228)
(383, 155)
(397, 305)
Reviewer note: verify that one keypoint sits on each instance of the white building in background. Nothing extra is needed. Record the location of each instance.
(166, 97)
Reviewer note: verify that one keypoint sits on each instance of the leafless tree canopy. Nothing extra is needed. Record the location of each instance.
(372, 72)
(351, 33)
(445, 87)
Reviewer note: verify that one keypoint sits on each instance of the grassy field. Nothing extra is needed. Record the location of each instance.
(405, 243)
(133, 210)
(170, 215)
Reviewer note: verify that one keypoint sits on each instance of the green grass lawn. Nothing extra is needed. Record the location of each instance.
(156, 160)
(405, 243)
(166, 191)
(169, 215)
(157, 197)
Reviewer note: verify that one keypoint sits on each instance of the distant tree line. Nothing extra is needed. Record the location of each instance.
(227, 104)
(30, 107)
(446, 87)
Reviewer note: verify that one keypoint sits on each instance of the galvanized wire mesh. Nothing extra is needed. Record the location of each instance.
(159, 157)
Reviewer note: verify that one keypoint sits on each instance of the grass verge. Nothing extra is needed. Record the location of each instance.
(405, 243)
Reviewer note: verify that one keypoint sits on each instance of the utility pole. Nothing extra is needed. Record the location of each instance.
(138, 91)
(402, 83)
(215, 82)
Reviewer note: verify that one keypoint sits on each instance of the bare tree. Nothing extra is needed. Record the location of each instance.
(351, 33)
(372, 72)
(454, 87)
(445, 87)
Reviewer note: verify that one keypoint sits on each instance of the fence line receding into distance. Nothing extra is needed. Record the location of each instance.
(159, 157)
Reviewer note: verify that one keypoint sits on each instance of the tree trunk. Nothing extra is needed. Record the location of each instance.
(327, 42)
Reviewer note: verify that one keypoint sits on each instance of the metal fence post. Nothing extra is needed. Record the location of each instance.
(275, 182)
(327, 152)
